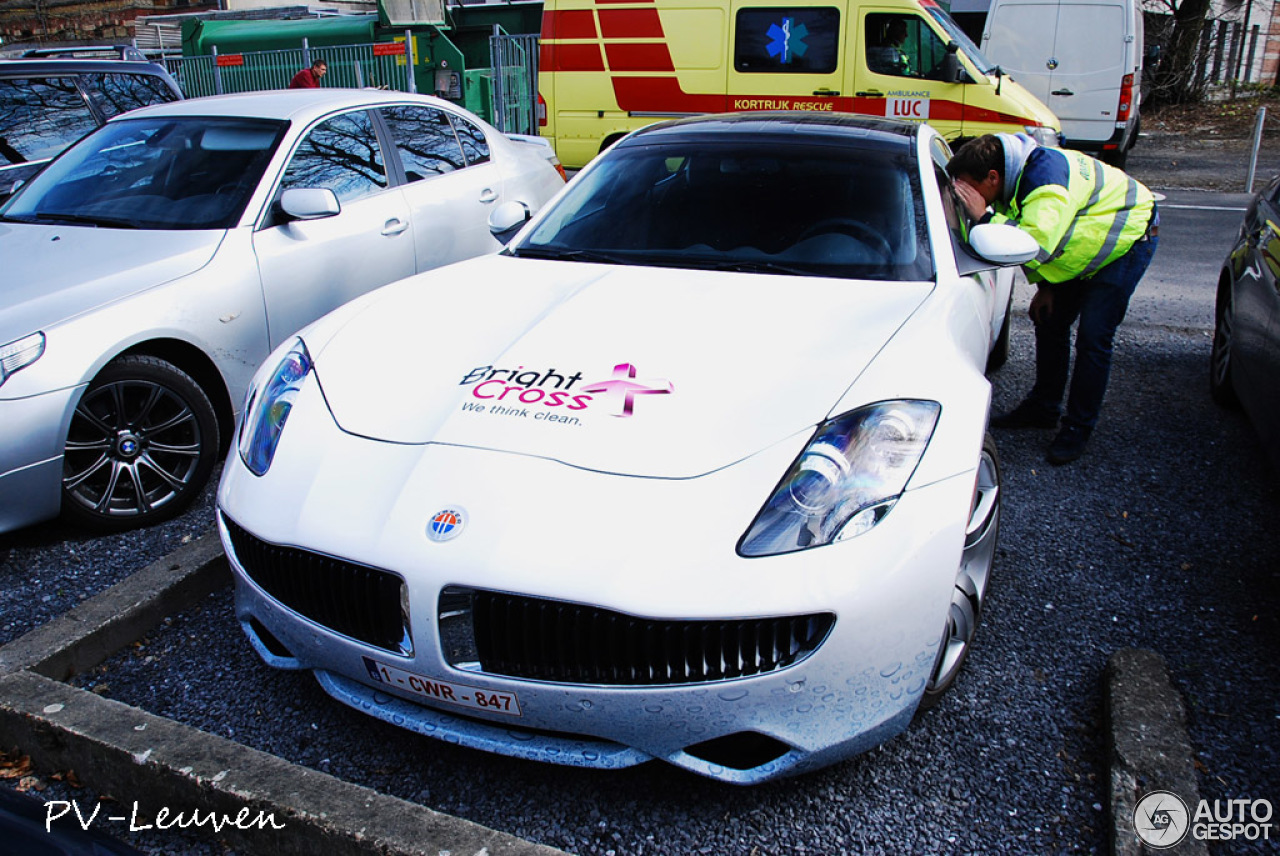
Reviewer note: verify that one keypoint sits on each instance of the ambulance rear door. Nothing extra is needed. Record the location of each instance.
(787, 57)
(898, 62)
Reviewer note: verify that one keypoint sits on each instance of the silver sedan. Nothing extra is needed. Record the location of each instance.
(151, 268)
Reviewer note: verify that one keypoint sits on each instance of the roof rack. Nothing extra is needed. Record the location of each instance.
(124, 52)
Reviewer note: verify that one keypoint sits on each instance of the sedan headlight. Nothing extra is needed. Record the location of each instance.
(267, 409)
(19, 354)
(846, 480)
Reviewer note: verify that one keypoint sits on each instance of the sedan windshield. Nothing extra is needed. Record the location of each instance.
(153, 173)
(791, 208)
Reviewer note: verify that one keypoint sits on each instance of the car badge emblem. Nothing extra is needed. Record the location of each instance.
(446, 525)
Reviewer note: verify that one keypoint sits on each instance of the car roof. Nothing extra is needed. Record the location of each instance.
(783, 126)
(27, 66)
(301, 105)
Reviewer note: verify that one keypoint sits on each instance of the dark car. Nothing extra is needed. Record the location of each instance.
(46, 104)
(1246, 339)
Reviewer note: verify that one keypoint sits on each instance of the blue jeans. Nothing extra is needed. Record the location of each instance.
(1100, 303)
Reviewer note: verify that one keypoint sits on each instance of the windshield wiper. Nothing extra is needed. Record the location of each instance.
(752, 266)
(569, 255)
(109, 222)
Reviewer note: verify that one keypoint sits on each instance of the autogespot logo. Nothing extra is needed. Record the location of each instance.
(1161, 820)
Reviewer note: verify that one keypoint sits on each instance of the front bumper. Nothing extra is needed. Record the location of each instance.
(546, 530)
(31, 456)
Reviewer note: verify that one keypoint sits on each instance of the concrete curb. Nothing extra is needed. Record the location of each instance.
(151, 763)
(1147, 744)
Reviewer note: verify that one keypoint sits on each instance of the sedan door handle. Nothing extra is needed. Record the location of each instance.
(394, 226)
(1062, 92)
(488, 195)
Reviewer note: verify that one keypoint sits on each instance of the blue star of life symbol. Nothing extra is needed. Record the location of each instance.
(788, 40)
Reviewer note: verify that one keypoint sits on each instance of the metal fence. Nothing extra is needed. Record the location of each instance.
(388, 65)
(514, 62)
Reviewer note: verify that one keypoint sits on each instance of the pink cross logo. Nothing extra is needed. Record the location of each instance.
(622, 385)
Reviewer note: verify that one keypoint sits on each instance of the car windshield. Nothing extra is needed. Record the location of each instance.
(793, 208)
(153, 173)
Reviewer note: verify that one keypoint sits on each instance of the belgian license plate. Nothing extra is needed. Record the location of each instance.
(491, 701)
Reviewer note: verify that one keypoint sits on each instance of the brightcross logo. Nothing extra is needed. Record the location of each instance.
(1162, 820)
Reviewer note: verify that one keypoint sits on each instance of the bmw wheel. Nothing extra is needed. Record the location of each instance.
(972, 577)
(142, 442)
(1220, 357)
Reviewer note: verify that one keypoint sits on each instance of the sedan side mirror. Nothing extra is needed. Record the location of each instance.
(507, 219)
(996, 245)
(309, 203)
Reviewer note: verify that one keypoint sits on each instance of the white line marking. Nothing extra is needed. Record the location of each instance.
(1203, 207)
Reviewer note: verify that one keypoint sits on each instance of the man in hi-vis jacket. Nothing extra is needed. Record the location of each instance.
(1097, 229)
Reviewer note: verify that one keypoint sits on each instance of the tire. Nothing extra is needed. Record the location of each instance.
(1220, 384)
(142, 442)
(1000, 353)
(973, 577)
(1115, 157)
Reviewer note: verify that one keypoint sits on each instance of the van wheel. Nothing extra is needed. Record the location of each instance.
(141, 445)
(1115, 158)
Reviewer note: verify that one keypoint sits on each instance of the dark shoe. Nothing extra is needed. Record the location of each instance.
(1028, 414)
(1068, 445)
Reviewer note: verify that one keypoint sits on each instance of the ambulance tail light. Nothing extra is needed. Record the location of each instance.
(542, 108)
(1126, 99)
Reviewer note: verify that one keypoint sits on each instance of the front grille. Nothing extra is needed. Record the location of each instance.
(547, 640)
(355, 600)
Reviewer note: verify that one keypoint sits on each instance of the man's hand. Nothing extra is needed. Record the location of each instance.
(971, 199)
(1041, 306)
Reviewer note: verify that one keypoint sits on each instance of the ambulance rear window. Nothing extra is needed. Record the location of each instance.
(787, 40)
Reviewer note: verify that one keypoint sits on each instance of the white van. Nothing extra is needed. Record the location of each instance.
(1082, 58)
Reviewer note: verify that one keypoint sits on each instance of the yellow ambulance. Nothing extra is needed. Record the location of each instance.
(607, 67)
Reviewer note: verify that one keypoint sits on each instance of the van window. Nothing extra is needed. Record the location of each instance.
(903, 46)
(40, 117)
(788, 40)
(113, 94)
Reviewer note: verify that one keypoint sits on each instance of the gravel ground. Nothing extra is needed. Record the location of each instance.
(1162, 537)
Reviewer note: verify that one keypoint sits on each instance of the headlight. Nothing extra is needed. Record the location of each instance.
(846, 480)
(1043, 135)
(267, 410)
(19, 354)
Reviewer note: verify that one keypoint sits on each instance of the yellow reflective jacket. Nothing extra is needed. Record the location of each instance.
(1083, 213)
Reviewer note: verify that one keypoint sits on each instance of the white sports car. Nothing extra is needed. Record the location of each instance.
(696, 469)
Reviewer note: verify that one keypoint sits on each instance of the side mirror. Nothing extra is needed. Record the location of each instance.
(309, 203)
(951, 67)
(1002, 244)
(507, 219)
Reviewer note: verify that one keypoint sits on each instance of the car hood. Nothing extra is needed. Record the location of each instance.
(52, 273)
(639, 371)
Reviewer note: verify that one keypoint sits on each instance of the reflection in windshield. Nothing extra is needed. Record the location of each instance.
(819, 210)
(154, 173)
(40, 117)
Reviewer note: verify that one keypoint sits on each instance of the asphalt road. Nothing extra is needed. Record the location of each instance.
(1163, 537)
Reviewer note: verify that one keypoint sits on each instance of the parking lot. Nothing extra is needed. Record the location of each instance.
(1162, 537)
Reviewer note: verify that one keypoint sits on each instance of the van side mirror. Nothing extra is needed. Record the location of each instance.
(951, 68)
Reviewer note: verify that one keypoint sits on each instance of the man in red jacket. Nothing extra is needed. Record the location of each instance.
(309, 78)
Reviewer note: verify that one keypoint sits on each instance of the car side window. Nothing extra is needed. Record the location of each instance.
(341, 154)
(953, 210)
(119, 93)
(787, 40)
(902, 46)
(40, 117)
(425, 140)
(474, 143)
